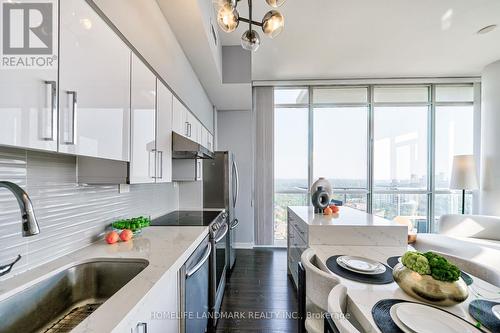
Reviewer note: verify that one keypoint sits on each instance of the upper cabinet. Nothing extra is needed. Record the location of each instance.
(180, 123)
(163, 133)
(143, 123)
(94, 86)
(28, 104)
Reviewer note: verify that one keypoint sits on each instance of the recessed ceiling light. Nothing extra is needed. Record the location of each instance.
(486, 29)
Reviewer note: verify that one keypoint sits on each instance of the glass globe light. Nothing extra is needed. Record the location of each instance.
(228, 18)
(275, 3)
(250, 40)
(273, 23)
(232, 3)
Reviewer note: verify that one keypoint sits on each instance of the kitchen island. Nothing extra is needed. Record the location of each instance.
(350, 227)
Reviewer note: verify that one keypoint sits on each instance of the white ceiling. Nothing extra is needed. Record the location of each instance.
(328, 39)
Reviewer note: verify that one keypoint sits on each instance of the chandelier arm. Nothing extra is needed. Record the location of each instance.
(250, 15)
(242, 19)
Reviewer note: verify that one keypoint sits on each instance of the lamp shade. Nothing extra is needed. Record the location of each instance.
(463, 174)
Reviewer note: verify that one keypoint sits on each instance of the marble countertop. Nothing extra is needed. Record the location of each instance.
(362, 297)
(347, 216)
(165, 248)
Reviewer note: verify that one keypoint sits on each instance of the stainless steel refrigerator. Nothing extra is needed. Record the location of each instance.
(220, 190)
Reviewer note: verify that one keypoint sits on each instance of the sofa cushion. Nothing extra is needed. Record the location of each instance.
(474, 226)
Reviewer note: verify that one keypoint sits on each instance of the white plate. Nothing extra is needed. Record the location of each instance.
(496, 311)
(360, 263)
(426, 319)
(380, 270)
(396, 320)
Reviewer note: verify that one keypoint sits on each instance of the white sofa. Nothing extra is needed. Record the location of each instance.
(470, 241)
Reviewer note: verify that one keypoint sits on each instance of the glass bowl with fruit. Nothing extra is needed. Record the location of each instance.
(431, 278)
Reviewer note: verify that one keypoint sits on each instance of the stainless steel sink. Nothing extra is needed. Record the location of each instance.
(61, 301)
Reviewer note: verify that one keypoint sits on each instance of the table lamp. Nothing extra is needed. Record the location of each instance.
(463, 175)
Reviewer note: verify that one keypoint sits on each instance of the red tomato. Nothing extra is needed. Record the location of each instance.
(112, 237)
(126, 235)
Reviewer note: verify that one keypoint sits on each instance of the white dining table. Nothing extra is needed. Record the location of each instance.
(361, 297)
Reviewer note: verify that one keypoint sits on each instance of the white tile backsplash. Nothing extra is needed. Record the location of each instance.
(70, 216)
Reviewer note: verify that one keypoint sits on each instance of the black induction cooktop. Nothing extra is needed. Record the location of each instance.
(187, 218)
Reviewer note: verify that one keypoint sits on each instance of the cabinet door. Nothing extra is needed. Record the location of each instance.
(210, 142)
(163, 133)
(28, 103)
(194, 128)
(143, 133)
(204, 137)
(179, 117)
(94, 87)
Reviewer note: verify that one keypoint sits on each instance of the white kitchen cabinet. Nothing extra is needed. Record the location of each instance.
(157, 312)
(163, 133)
(194, 128)
(28, 104)
(204, 137)
(143, 123)
(180, 123)
(94, 86)
(207, 139)
(210, 142)
(28, 108)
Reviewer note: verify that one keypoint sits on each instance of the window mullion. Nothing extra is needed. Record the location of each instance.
(370, 156)
(431, 166)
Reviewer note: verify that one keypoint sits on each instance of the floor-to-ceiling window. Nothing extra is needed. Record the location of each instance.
(386, 149)
(291, 153)
(400, 153)
(340, 146)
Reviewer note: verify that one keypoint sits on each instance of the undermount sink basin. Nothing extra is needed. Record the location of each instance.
(65, 298)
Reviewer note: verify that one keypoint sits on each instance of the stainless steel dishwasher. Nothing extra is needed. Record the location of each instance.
(194, 290)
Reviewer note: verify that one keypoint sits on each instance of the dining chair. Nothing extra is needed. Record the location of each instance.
(337, 310)
(318, 286)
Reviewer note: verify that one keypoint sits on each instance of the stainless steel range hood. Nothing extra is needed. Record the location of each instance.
(185, 148)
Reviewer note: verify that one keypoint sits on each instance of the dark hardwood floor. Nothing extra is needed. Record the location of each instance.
(260, 293)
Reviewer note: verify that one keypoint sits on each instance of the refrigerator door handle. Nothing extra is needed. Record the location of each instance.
(237, 179)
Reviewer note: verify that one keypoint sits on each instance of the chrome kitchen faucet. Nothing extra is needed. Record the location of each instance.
(29, 223)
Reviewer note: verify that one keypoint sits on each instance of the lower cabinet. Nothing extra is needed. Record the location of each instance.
(297, 243)
(158, 310)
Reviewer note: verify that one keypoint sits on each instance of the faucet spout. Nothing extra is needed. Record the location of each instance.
(30, 224)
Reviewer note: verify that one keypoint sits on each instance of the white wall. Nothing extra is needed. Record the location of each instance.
(490, 149)
(144, 25)
(234, 130)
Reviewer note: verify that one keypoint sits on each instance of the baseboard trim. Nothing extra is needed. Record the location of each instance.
(243, 245)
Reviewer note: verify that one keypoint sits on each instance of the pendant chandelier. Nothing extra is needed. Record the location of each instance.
(272, 23)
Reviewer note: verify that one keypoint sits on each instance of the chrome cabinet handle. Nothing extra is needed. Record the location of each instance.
(151, 173)
(73, 118)
(201, 262)
(144, 327)
(52, 96)
(160, 167)
(187, 128)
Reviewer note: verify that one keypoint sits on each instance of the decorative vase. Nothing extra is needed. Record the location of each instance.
(327, 186)
(320, 200)
(426, 288)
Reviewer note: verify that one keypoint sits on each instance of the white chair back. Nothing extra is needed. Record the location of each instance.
(337, 308)
(318, 282)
